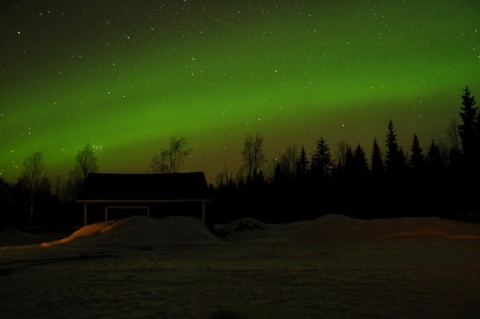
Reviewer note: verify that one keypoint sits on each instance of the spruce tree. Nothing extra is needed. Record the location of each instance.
(349, 168)
(361, 163)
(395, 158)
(302, 163)
(377, 168)
(434, 161)
(417, 159)
(395, 193)
(321, 164)
(468, 130)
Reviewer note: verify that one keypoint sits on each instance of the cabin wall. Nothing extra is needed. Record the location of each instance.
(96, 211)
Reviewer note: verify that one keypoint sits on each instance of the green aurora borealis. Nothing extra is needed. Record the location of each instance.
(126, 76)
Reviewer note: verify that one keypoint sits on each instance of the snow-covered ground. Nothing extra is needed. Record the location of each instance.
(332, 267)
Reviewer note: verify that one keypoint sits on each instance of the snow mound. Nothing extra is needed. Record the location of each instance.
(240, 225)
(13, 237)
(342, 228)
(141, 232)
(252, 230)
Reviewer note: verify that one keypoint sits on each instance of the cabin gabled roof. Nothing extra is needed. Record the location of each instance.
(100, 187)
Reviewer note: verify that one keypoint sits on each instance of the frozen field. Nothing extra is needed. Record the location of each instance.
(333, 267)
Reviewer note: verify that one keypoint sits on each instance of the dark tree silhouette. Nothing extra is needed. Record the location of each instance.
(253, 157)
(302, 164)
(34, 179)
(452, 134)
(417, 181)
(434, 162)
(287, 162)
(377, 165)
(346, 164)
(225, 179)
(395, 158)
(343, 148)
(169, 160)
(85, 163)
(321, 164)
(360, 163)
(469, 129)
(416, 162)
(352, 179)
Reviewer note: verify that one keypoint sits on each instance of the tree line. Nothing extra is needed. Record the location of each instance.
(438, 180)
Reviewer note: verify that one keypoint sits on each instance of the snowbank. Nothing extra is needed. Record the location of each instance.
(145, 232)
(13, 237)
(252, 230)
(342, 228)
(239, 225)
(141, 232)
(258, 270)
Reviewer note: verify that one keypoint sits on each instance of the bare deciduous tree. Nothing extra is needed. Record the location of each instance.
(33, 177)
(225, 178)
(169, 160)
(253, 157)
(85, 163)
(288, 161)
(452, 134)
(342, 150)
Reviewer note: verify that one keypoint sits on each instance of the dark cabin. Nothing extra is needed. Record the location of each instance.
(118, 196)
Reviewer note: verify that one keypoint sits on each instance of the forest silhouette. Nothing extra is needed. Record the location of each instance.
(439, 180)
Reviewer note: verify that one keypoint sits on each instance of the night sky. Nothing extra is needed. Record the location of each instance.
(127, 76)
